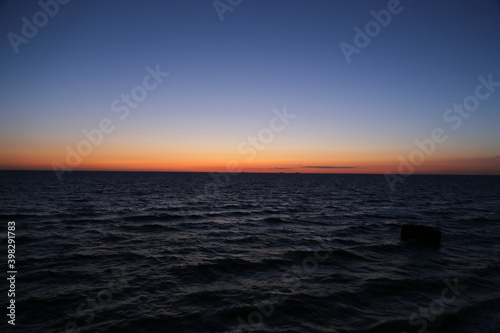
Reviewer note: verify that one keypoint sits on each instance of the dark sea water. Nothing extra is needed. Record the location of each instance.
(180, 252)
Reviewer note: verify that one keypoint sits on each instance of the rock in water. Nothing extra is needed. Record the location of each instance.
(420, 234)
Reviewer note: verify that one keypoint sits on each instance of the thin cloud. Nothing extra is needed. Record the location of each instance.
(327, 167)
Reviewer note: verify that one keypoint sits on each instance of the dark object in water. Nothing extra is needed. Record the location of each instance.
(420, 234)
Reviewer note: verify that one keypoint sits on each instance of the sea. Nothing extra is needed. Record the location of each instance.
(218, 252)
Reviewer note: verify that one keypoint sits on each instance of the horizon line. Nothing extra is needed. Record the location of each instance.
(256, 172)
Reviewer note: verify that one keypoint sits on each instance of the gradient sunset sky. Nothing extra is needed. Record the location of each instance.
(228, 79)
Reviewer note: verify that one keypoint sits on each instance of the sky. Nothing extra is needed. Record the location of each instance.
(251, 85)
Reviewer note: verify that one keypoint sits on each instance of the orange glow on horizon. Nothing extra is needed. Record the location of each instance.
(214, 165)
(190, 159)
